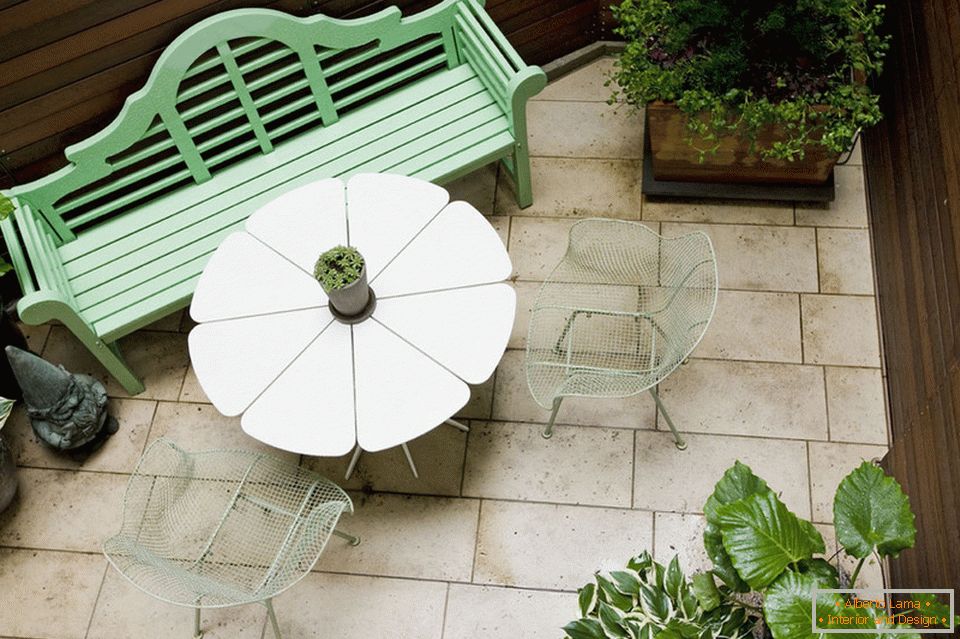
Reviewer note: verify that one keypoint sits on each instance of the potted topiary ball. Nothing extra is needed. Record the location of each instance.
(342, 273)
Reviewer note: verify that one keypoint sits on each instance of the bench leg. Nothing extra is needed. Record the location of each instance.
(521, 176)
(111, 358)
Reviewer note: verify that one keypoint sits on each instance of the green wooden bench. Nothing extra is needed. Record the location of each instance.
(240, 108)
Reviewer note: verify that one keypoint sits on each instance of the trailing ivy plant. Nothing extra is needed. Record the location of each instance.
(646, 600)
(735, 67)
(338, 268)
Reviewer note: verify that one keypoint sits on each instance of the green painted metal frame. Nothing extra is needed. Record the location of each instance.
(215, 103)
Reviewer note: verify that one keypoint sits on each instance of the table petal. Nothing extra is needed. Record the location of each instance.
(401, 393)
(244, 277)
(303, 223)
(458, 248)
(386, 211)
(309, 408)
(465, 329)
(235, 360)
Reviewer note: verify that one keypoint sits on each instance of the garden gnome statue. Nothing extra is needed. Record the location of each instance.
(8, 470)
(67, 411)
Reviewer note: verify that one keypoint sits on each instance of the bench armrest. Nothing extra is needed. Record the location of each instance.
(483, 46)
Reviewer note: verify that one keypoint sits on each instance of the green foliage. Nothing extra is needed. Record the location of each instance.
(650, 601)
(773, 551)
(735, 67)
(872, 513)
(6, 208)
(338, 268)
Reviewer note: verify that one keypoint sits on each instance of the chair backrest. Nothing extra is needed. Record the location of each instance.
(233, 86)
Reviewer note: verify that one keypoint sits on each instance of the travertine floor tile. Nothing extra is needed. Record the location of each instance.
(747, 398)
(348, 607)
(526, 297)
(477, 188)
(578, 188)
(169, 322)
(405, 536)
(839, 329)
(537, 246)
(118, 454)
(501, 224)
(196, 427)
(829, 464)
(192, 391)
(576, 466)
(487, 611)
(754, 326)
(63, 510)
(160, 358)
(36, 336)
(48, 595)
(584, 130)
(760, 258)
(481, 401)
(438, 456)
(717, 211)
(512, 401)
(125, 611)
(845, 264)
(668, 479)
(585, 84)
(856, 405)
(555, 547)
(682, 535)
(848, 209)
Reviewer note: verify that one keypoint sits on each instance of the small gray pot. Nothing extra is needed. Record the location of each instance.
(353, 301)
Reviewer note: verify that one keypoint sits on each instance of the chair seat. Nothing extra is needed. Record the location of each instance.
(148, 261)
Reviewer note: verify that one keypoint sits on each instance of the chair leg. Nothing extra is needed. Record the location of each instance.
(273, 617)
(112, 359)
(354, 541)
(548, 429)
(413, 467)
(681, 444)
(197, 633)
(353, 462)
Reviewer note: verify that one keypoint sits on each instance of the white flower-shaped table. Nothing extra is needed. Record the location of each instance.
(268, 347)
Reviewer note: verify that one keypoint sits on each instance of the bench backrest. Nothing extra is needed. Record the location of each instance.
(239, 83)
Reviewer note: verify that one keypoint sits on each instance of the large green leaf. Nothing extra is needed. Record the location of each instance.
(722, 566)
(871, 511)
(822, 571)
(584, 629)
(705, 588)
(737, 483)
(788, 605)
(763, 537)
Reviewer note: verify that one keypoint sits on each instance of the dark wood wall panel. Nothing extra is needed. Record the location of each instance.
(912, 165)
(67, 66)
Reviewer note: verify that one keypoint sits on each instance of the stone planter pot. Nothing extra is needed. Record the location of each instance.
(675, 160)
(354, 302)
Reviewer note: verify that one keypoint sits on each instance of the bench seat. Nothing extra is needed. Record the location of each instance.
(146, 263)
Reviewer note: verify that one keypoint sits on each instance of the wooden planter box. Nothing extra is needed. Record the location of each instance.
(675, 160)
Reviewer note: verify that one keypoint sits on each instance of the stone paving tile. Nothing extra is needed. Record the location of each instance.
(191, 390)
(512, 401)
(839, 329)
(406, 536)
(196, 427)
(537, 246)
(576, 466)
(169, 322)
(555, 547)
(845, 263)
(579, 188)
(488, 611)
(856, 405)
(480, 405)
(765, 258)
(672, 480)
(526, 297)
(585, 84)
(125, 611)
(159, 358)
(747, 398)
(36, 336)
(478, 188)
(717, 211)
(48, 595)
(352, 607)
(501, 224)
(63, 510)
(848, 209)
(118, 454)
(584, 130)
(830, 462)
(438, 455)
(754, 326)
(681, 535)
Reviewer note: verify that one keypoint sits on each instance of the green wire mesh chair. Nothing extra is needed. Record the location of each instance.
(222, 528)
(620, 312)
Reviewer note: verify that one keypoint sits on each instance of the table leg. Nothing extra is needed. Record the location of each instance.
(457, 425)
(353, 462)
(413, 467)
